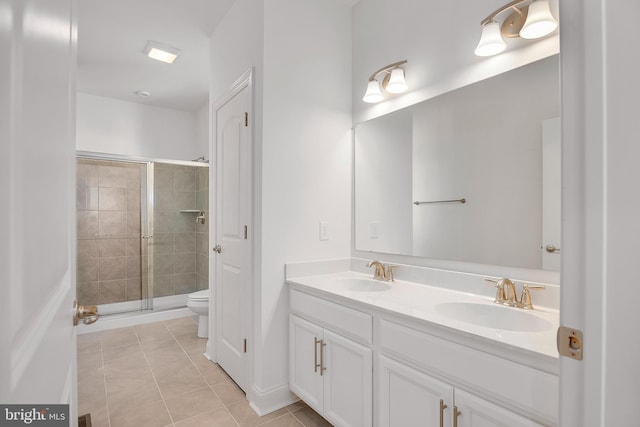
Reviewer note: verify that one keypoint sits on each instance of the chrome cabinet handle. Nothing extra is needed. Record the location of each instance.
(443, 406)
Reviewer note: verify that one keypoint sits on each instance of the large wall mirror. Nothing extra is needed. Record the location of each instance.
(495, 144)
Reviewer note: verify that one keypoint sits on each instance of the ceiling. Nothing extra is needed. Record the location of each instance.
(112, 36)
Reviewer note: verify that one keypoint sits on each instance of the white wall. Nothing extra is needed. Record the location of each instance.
(302, 150)
(113, 126)
(438, 39)
(202, 131)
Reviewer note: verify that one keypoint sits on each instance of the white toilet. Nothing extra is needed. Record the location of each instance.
(198, 302)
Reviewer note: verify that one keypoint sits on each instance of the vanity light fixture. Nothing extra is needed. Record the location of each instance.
(393, 82)
(528, 19)
(162, 52)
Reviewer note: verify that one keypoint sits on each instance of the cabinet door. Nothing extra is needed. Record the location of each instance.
(407, 397)
(304, 379)
(348, 390)
(477, 412)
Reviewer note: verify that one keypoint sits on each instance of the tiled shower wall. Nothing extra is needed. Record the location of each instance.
(180, 256)
(112, 265)
(108, 215)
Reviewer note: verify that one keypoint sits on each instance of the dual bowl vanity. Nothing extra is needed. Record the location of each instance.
(368, 352)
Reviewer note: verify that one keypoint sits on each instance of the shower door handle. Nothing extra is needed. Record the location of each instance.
(88, 313)
(217, 248)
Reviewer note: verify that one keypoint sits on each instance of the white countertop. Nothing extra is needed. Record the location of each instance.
(420, 302)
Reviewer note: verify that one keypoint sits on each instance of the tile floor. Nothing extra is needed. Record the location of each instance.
(155, 375)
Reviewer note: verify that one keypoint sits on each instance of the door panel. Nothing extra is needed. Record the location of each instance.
(304, 378)
(348, 389)
(477, 412)
(233, 209)
(37, 160)
(411, 398)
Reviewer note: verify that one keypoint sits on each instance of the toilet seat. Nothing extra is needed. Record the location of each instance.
(199, 296)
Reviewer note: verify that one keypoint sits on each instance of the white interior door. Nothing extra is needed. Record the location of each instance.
(233, 212)
(37, 189)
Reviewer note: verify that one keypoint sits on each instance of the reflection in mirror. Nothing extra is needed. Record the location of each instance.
(496, 144)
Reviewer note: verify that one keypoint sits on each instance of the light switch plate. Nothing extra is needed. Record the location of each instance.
(324, 230)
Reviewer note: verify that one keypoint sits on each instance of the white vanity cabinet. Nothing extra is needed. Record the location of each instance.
(424, 372)
(411, 398)
(329, 370)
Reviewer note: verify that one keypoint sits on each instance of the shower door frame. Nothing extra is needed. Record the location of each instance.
(146, 213)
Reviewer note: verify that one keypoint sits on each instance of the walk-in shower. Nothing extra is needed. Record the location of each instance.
(142, 233)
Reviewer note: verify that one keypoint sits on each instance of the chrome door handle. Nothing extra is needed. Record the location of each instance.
(217, 248)
(88, 313)
(551, 249)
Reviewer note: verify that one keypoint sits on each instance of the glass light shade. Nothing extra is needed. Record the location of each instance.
(373, 93)
(397, 83)
(539, 21)
(491, 42)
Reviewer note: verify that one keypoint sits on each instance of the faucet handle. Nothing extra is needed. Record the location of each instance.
(500, 295)
(389, 272)
(525, 299)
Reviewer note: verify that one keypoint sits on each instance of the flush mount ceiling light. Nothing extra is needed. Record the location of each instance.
(528, 19)
(161, 52)
(393, 82)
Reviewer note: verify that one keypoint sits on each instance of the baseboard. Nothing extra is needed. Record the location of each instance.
(265, 402)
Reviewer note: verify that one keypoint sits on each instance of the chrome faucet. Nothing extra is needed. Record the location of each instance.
(381, 271)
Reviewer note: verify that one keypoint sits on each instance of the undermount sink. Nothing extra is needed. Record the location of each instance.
(494, 316)
(362, 285)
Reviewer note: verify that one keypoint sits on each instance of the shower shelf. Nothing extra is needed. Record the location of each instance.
(191, 211)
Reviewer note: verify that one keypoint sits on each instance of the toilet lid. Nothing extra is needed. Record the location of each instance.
(200, 295)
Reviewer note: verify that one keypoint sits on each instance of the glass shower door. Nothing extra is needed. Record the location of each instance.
(110, 218)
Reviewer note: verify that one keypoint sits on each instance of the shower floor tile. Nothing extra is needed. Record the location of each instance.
(155, 375)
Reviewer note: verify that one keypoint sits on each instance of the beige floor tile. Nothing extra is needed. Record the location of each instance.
(91, 390)
(309, 418)
(286, 420)
(193, 345)
(296, 406)
(169, 353)
(126, 367)
(89, 343)
(246, 417)
(90, 360)
(181, 380)
(228, 392)
(133, 395)
(119, 337)
(194, 403)
(218, 418)
(150, 415)
(110, 354)
(212, 372)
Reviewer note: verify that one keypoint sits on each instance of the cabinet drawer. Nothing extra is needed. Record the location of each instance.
(497, 380)
(344, 320)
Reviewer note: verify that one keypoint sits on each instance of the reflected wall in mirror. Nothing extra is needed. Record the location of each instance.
(496, 144)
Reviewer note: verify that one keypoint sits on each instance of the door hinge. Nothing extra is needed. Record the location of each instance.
(246, 232)
(244, 347)
(246, 119)
(569, 342)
